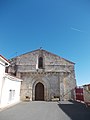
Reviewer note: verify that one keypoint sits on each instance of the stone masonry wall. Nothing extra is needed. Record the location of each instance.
(58, 74)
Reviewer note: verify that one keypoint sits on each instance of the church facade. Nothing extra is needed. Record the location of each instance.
(45, 76)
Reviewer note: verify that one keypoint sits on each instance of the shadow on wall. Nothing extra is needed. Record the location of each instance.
(75, 110)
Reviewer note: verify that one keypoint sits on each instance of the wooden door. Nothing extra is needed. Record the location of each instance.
(39, 92)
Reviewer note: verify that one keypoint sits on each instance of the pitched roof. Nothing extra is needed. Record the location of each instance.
(4, 59)
(13, 78)
(47, 52)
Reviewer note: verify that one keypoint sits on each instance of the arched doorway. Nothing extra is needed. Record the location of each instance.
(39, 92)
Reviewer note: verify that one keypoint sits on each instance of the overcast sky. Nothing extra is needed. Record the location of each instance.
(59, 26)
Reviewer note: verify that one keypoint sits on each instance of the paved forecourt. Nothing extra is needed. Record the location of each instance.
(39, 110)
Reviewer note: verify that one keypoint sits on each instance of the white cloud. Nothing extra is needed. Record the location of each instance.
(75, 29)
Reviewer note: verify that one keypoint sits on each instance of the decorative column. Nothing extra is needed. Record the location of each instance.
(30, 89)
(18, 75)
(61, 86)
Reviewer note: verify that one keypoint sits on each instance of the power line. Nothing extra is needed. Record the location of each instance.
(13, 55)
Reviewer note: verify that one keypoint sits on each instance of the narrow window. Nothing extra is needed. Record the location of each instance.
(11, 95)
(40, 63)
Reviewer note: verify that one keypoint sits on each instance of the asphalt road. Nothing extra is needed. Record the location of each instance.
(46, 111)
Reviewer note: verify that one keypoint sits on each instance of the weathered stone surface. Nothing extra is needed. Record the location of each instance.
(86, 90)
(57, 75)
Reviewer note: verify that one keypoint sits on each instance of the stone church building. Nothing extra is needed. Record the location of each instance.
(45, 76)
